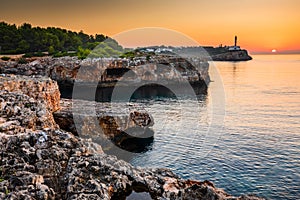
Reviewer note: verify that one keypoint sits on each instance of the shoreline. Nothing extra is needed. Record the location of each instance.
(39, 160)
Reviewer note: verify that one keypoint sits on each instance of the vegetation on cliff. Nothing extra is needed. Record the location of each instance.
(36, 41)
(56, 41)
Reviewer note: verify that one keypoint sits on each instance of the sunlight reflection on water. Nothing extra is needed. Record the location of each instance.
(259, 148)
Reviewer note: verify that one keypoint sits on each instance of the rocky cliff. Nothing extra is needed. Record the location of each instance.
(107, 71)
(238, 55)
(41, 161)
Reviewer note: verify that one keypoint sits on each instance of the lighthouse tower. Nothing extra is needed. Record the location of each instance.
(235, 47)
(235, 40)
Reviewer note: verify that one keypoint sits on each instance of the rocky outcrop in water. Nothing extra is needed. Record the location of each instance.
(102, 75)
(41, 161)
(238, 55)
(125, 124)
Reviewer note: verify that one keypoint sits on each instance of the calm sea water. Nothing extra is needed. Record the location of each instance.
(256, 150)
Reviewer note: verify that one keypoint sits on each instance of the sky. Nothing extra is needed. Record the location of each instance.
(261, 25)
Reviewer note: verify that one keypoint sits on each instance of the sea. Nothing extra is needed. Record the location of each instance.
(244, 135)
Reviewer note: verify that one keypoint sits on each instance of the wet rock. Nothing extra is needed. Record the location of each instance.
(118, 122)
(138, 196)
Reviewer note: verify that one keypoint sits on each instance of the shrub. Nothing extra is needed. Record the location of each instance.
(129, 54)
(27, 55)
(39, 54)
(5, 58)
(148, 57)
(51, 50)
(22, 61)
(82, 53)
(60, 54)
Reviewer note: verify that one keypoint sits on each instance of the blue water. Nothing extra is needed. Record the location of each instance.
(256, 149)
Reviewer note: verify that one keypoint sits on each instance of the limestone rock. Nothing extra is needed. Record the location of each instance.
(41, 161)
(117, 122)
(38, 88)
(109, 70)
(20, 112)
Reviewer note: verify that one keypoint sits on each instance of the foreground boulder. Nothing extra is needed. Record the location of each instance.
(39, 88)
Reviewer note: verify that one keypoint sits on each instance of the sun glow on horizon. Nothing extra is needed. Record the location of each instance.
(274, 50)
(273, 25)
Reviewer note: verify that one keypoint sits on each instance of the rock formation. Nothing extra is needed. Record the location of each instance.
(121, 123)
(114, 123)
(41, 161)
(209, 53)
(239, 55)
(41, 88)
(106, 72)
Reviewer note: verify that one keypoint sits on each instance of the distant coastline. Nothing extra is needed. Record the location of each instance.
(56, 42)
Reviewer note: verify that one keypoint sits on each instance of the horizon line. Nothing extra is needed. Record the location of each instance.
(291, 51)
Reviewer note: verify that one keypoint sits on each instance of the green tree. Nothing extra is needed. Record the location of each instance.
(51, 50)
(23, 46)
(28, 39)
(82, 53)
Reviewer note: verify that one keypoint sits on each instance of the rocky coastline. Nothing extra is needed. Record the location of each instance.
(41, 160)
(106, 72)
(238, 55)
(216, 53)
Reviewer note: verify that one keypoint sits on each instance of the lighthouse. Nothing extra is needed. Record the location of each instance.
(235, 40)
(235, 47)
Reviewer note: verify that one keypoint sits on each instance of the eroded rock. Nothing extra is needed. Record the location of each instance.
(41, 161)
(107, 71)
(120, 123)
(39, 88)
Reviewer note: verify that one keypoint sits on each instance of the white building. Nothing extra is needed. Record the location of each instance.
(234, 48)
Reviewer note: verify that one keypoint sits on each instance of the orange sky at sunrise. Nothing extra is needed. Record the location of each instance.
(261, 25)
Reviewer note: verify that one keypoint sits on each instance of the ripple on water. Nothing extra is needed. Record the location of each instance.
(259, 146)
